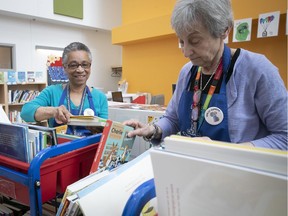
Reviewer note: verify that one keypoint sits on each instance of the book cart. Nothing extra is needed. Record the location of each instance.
(49, 173)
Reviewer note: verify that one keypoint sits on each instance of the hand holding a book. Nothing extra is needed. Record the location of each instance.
(62, 115)
(148, 131)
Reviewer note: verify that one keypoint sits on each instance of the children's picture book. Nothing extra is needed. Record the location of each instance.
(111, 194)
(114, 147)
(31, 76)
(39, 137)
(2, 77)
(11, 77)
(14, 141)
(39, 77)
(82, 120)
(50, 132)
(198, 177)
(77, 186)
(268, 160)
(21, 76)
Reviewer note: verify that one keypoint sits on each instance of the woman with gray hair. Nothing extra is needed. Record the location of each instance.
(56, 103)
(224, 94)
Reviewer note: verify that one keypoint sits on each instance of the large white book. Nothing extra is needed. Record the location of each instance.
(206, 178)
(111, 194)
(265, 159)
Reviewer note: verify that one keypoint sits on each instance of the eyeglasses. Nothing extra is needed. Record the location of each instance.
(74, 65)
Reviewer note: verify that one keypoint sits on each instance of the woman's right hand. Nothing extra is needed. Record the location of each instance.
(141, 129)
(62, 115)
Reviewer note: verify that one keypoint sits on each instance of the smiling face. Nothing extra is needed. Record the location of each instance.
(201, 47)
(78, 68)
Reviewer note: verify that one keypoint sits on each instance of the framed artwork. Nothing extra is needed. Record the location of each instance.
(268, 24)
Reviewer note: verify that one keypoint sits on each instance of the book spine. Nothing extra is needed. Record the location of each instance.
(101, 146)
(61, 206)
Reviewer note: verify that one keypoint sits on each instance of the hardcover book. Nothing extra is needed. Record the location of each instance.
(112, 194)
(217, 178)
(14, 141)
(2, 77)
(81, 120)
(21, 76)
(77, 186)
(50, 134)
(31, 76)
(114, 147)
(39, 76)
(11, 77)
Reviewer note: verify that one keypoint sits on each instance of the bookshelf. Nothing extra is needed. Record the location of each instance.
(9, 105)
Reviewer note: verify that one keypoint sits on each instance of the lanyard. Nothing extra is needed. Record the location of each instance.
(69, 100)
(197, 115)
(211, 92)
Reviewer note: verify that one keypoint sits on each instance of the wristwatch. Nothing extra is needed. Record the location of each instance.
(154, 135)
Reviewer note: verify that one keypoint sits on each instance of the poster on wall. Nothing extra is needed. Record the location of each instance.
(55, 70)
(268, 24)
(242, 30)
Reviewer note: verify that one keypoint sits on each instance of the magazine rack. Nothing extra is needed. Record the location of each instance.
(51, 171)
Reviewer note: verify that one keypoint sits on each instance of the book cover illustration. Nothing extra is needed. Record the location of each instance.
(2, 77)
(31, 76)
(118, 145)
(39, 76)
(21, 76)
(14, 141)
(11, 77)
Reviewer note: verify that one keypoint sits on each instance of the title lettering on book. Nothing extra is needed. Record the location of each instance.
(116, 132)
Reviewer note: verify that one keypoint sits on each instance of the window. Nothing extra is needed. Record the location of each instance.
(6, 56)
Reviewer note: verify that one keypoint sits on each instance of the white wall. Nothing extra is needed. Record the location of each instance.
(27, 32)
(100, 14)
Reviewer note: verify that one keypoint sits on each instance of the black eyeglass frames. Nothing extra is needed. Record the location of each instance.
(74, 65)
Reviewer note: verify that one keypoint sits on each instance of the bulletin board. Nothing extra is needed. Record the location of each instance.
(71, 8)
(55, 71)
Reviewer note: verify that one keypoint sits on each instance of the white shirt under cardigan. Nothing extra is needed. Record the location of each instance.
(256, 99)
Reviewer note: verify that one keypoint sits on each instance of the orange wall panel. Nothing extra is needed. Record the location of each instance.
(137, 10)
(153, 66)
(151, 57)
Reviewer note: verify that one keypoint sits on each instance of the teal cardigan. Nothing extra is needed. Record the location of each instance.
(50, 97)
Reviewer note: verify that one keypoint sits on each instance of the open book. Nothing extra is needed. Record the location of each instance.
(198, 177)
